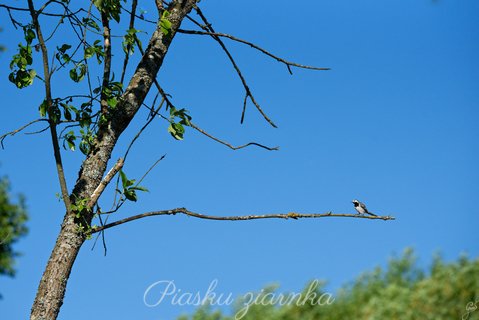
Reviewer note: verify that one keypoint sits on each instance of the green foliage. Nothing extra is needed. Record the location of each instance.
(79, 207)
(69, 139)
(402, 291)
(61, 54)
(21, 75)
(87, 138)
(53, 111)
(112, 92)
(112, 8)
(129, 41)
(129, 187)
(165, 24)
(177, 129)
(78, 72)
(12, 227)
(95, 50)
(91, 23)
(83, 117)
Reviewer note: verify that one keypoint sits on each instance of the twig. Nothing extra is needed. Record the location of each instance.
(228, 144)
(290, 215)
(38, 131)
(102, 234)
(12, 133)
(153, 115)
(149, 170)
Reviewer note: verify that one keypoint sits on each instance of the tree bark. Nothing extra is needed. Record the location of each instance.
(51, 289)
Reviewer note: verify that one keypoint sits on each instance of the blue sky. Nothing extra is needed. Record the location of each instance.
(394, 124)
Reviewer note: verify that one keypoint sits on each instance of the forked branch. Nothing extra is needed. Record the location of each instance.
(14, 132)
(248, 94)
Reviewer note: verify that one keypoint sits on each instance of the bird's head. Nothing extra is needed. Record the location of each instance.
(355, 201)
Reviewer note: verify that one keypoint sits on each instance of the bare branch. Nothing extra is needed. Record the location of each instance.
(224, 35)
(228, 144)
(290, 215)
(149, 170)
(50, 14)
(12, 133)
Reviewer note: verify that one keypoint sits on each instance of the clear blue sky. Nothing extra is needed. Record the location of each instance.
(394, 124)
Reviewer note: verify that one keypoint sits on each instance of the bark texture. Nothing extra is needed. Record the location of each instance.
(52, 286)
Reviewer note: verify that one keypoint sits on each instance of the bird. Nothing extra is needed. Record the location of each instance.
(361, 208)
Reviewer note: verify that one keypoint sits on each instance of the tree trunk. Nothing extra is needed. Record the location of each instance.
(52, 286)
(51, 289)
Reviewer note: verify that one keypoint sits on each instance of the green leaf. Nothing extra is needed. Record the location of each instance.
(74, 75)
(139, 188)
(64, 48)
(43, 108)
(112, 101)
(71, 145)
(29, 35)
(165, 24)
(176, 130)
(84, 147)
(90, 22)
(89, 52)
(69, 138)
(78, 73)
(130, 195)
(123, 179)
(67, 114)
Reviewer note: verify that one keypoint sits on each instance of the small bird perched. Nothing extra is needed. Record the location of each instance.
(361, 208)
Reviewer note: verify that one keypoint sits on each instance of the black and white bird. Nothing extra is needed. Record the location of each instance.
(361, 208)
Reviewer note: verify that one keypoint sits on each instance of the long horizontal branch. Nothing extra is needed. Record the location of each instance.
(290, 215)
(254, 46)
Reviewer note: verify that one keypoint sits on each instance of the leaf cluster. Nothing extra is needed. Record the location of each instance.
(129, 187)
(179, 118)
(22, 76)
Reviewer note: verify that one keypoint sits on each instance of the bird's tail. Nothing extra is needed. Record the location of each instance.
(375, 215)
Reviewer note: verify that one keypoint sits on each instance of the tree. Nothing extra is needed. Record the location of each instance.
(12, 227)
(401, 291)
(94, 119)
